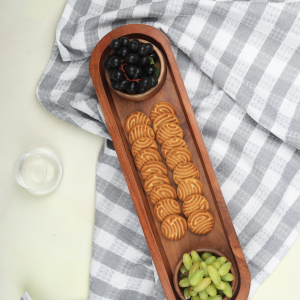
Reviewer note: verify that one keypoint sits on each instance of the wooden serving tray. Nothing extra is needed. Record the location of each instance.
(166, 253)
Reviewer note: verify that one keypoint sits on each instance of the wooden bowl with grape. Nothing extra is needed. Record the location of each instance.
(151, 92)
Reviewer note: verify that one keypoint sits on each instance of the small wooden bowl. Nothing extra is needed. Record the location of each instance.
(176, 278)
(150, 93)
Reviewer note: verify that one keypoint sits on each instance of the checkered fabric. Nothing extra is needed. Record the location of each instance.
(240, 64)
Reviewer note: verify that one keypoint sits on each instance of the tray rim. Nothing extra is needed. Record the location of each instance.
(154, 245)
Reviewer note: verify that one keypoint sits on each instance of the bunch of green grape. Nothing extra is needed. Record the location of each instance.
(206, 277)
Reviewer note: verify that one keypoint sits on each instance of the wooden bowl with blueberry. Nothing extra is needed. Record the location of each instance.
(135, 69)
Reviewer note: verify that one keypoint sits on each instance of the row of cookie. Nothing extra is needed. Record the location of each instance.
(185, 174)
(153, 171)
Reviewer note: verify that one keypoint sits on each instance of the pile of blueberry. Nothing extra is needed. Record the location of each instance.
(131, 66)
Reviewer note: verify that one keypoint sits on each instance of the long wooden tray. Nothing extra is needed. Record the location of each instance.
(166, 253)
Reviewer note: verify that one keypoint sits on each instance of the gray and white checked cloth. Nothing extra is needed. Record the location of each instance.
(240, 63)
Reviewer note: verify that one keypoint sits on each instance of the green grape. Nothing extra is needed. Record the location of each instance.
(221, 260)
(221, 286)
(224, 269)
(203, 295)
(227, 277)
(217, 297)
(183, 269)
(210, 260)
(220, 292)
(195, 257)
(211, 290)
(193, 293)
(195, 267)
(183, 276)
(202, 285)
(206, 255)
(186, 293)
(184, 282)
(203, 265)
(214, 275)
(196, 298)
(216, 264)
(228, 290)
(198, 276)
(187, 261)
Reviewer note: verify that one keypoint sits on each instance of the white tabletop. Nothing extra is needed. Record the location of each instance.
(45, 242)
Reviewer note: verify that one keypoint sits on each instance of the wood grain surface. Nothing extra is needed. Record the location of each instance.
(166, 253)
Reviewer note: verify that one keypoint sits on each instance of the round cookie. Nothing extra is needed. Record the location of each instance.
(153, 167)
(170, 144)
(201, 222)
(142, 143)
(140, 131)
(161, 108)
(162, 191)
(185, 170)
(146, 155)
(136, 118)
(164, 119)
(178, 156)
(165, 208)
(167, 131)
(194, 202)
(173, 227)
(153, 180)
(189, 186)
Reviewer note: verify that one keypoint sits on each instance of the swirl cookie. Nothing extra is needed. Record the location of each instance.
(178, 156)
(189, 186)
(140, 131)
(153, 167)
(164, 119)
(153, 180)
(165, 208)
(170, 144)
(194, 202)
(185, 170)
(167, 131)
(136, 118)
(173, 227)
(162, 191)
(142, 143)
(201, 222)
(161, 108)
(146, 155)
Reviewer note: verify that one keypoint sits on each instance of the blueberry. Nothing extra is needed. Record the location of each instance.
(149, 70)
(140, 89)
(130, 70)
(149, 47)
(144, 60)
(131, 88)
(118, 75)
(115, 44)
(142, 50)
(153, 81)
(144, 82)
(115, 62)
(132, 46)
(124, 41)
(109, 56)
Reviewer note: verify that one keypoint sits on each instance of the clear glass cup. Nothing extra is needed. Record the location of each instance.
(39, 171)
